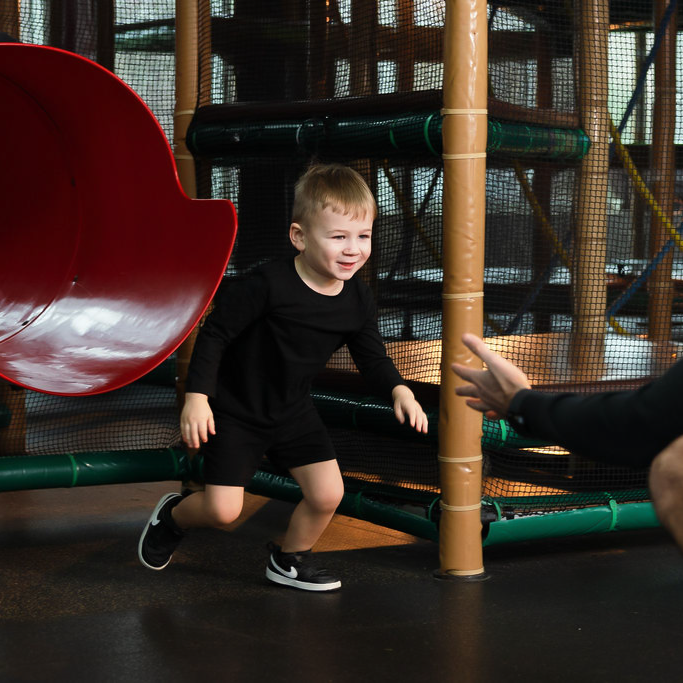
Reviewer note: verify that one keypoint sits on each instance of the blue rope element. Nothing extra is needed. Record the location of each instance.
(74, 469)
(640, 84)
(616, 306)
(541, 281)
(636, 284)
(425, 132)
(503, 432)
(614, 508)
(642, 278)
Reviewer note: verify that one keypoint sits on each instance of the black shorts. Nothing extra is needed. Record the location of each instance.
(234, 453)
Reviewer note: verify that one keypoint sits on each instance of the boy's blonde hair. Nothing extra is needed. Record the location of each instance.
(335, 186)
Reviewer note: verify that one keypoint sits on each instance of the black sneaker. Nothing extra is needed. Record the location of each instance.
(161, 535)
(294, 569)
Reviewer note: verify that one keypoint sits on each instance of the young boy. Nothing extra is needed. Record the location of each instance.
(248, 386)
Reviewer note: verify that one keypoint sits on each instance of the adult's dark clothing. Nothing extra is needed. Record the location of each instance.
(620, 428)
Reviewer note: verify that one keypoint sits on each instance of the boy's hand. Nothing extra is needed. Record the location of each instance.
(196, 420)
(407, 408)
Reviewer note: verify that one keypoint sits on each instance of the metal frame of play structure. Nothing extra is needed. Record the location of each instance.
(460, 132)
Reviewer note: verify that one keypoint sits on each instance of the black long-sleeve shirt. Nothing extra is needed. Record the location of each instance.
(620, 428)
(270, 335)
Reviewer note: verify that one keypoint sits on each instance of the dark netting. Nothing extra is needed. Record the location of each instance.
(344, 72)
(340, 63)
(560, 269)
(582, 288)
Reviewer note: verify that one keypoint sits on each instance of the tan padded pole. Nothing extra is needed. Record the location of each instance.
(464, 159)
(660, 285)
(9, 17)
(186, 85)
(590, 239)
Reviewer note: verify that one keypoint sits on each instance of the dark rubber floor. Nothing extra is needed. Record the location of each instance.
(75, 604)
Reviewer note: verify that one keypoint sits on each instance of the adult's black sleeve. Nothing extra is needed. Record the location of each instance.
(620, 428)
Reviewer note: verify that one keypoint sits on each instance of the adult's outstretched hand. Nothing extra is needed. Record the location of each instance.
(489, 390)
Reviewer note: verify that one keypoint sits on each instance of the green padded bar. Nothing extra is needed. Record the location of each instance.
(405, 135)
(369, 413)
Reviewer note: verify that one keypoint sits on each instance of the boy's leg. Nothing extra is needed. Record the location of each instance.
(161, 534)
(216, 506)
(323, 488)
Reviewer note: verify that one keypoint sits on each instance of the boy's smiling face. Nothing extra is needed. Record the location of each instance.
(333, 248)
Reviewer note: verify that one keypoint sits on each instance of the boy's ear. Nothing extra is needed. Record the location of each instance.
(296, 236)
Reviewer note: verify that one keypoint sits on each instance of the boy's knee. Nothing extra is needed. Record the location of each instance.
(221, 514)
(327, 499)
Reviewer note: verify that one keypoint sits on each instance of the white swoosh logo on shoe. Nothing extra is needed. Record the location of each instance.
(289, 573)
(154, 522)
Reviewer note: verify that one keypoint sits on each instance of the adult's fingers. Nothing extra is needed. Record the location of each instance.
(480, 349)
(475, 344)
(465, 372)
(467, 390)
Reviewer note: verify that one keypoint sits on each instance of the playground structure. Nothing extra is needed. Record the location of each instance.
(576, 279)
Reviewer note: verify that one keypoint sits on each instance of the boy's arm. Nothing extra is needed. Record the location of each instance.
(370, 356)
(237, 305)
(196, 420)
(379, 370)
(406, 407)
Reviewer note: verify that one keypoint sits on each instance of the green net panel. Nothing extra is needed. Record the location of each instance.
(358, 81)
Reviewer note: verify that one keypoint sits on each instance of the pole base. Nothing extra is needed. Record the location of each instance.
(441, 575)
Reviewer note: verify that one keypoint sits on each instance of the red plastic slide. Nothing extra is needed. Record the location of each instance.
(105, 264)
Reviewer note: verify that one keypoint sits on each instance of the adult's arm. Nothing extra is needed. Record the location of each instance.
(620, 428)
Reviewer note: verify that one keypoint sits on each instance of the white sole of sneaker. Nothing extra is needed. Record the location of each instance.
(301, 585)
(152, 518)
